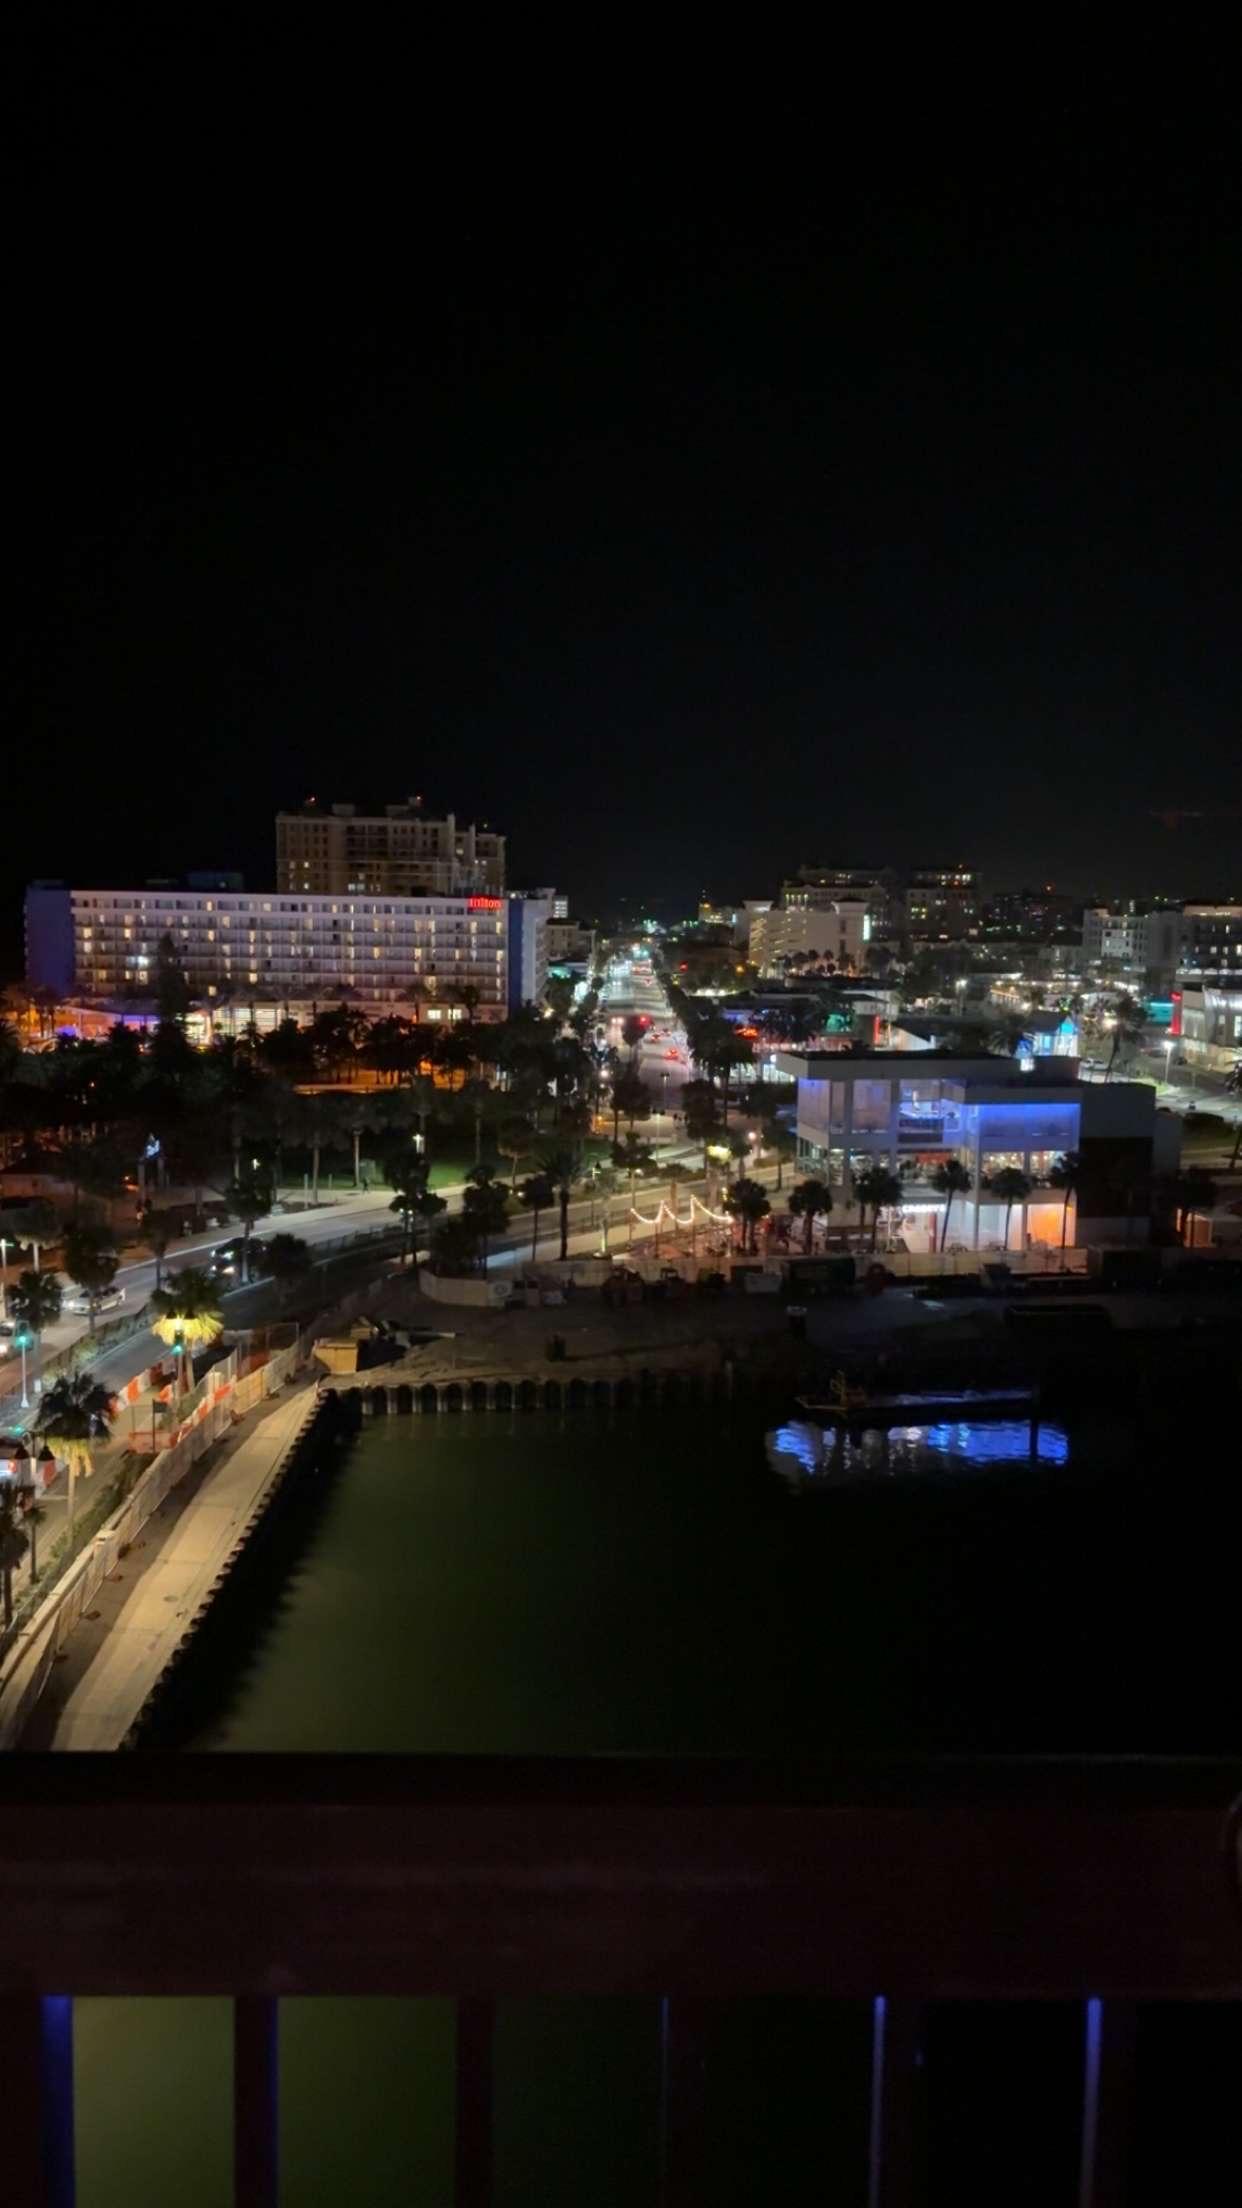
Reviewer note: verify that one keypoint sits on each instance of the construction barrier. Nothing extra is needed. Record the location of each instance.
(219, 1399)
(27, 1665)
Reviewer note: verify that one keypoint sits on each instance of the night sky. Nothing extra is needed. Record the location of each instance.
(689, 492)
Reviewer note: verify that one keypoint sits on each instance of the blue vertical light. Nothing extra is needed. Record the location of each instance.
(57, 2058)
(1090, 2099)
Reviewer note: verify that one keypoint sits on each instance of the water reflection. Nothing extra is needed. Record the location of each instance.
(804, 1453)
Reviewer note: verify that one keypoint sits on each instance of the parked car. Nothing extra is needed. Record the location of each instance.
(81, 1304)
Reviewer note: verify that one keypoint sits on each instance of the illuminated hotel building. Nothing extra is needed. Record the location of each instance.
(287, 954)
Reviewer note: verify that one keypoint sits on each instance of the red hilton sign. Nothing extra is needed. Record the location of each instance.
(484, 904)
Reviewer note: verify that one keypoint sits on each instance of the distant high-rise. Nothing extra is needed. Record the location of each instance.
(943, 903)
(336, 850)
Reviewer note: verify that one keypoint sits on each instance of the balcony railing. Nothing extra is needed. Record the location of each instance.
(895, 1886)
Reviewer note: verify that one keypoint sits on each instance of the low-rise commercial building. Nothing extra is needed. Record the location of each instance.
(911, 1112)
(1207, 1018)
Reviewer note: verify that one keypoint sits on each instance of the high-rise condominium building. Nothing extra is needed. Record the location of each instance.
(338, 851)
(943, 903)
(877, 887)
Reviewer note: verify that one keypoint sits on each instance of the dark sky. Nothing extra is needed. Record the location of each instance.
(690, 492)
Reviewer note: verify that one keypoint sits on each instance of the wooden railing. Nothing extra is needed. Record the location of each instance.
(899, 1885)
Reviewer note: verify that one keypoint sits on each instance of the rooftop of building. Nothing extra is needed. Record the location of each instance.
(408, 808)
(861, 1061)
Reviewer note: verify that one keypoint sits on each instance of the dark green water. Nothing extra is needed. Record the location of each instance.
(645, 1583)
(528, 1584)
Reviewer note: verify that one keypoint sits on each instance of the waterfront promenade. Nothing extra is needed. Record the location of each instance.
(115, 1658)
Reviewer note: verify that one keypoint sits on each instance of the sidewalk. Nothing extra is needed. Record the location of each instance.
(110, 1671)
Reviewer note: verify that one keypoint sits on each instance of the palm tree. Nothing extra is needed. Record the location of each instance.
(318, 1117)
(98, 1167)
(289, 1260)
(91, 1262)
(534, 1195)
(780, 1138)
(33, 1515)
(159, 1236)
(455, 1246)
(413, 1202)
(357, 1116)
(950, 1179)
(513, 1141)
(880, 1188)
(1129, 1020)
(698, 1103)
(36, 1298)
(75, 1413)
(808, 1200)
(633, 1029)
(631, 1099)
(187, 1314)
(250, 1197)
(1196, 1191)
(485, 1205)
(1012, 1187)
(562, 1162)
(13, 1543)
(1065, 1175)
(36, 1301)
(748, 1201)
(36, 1224)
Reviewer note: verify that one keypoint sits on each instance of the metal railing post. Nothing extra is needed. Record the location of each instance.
(256, 2109)
(38, 2166)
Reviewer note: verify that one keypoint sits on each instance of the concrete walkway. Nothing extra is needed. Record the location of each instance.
(102, 1705)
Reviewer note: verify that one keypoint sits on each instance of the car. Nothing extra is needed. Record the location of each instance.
(227, 1257)
(80, 1304)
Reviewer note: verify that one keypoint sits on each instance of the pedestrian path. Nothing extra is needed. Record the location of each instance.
(105, 1701)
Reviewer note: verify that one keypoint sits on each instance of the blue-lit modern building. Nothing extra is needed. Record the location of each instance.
(910, 1111)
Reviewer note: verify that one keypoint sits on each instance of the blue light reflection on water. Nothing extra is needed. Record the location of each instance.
(802, 1451)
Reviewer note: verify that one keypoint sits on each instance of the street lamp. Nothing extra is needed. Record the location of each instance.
(24, 1340)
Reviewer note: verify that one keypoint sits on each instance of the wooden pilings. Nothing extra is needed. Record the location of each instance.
(386, 1399)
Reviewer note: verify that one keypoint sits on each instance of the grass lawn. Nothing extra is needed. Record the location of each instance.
(451, 1163)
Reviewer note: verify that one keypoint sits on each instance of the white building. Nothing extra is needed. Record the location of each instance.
(837, 931)
(1140, 944)
(392, 954)
(911, 1112)
(1207, 1015)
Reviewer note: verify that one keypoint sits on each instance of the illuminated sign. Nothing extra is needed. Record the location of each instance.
(484, 904)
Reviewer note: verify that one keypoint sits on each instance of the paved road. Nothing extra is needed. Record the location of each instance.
(351, 1214)
(663, 1055)
(1187, 1091)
